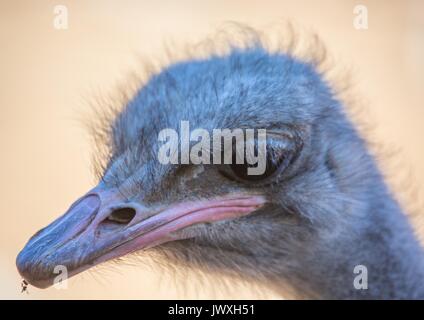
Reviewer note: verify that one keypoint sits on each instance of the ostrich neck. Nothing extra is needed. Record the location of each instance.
(384, 243)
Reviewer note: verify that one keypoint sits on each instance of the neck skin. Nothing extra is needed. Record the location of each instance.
(383, 242)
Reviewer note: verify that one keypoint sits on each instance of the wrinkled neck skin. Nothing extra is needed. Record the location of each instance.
(382, 241)
(387, 248)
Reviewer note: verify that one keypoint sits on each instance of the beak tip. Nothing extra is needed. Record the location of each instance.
(28, 271)
(46, 249)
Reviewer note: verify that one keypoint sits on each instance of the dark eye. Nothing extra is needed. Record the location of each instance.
(280, 151)
(273, 165)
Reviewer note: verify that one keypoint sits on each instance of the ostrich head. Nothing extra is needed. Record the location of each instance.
(288, 224)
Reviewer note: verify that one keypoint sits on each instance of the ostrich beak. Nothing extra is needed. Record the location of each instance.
(102, 225)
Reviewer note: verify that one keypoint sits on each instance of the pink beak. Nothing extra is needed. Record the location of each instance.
(102, 225)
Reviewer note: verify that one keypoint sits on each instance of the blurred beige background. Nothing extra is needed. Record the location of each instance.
(45, 74)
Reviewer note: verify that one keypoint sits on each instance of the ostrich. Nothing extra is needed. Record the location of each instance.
(320, 209)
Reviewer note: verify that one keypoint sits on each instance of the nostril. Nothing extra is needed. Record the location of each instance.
(122, 215)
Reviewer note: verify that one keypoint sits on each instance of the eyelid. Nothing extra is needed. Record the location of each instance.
(280, 141)
(279, 144)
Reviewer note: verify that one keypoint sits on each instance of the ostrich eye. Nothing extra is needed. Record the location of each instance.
(272, 167)
(281, 150)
